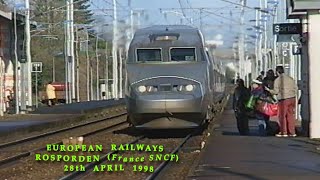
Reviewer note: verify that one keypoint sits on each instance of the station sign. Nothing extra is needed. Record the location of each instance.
(296, 50)
(36, 66)
(287, 28)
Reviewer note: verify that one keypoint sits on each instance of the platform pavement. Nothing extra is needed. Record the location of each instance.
(227, 155)
(53, 115)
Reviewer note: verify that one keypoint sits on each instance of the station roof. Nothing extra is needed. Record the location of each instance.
(303, 5)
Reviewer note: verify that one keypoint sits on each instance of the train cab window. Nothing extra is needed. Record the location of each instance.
(145, 55)
(183, 54)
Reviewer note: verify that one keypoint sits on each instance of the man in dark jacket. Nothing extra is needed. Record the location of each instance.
(268, 81)
(240, 97)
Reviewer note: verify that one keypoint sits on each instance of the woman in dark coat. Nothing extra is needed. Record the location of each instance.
(240, 97)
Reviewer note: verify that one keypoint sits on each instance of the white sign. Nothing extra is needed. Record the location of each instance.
(285, 49)
(36, 66)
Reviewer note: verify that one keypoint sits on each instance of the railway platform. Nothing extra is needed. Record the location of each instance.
(45, 117)
(227, 155)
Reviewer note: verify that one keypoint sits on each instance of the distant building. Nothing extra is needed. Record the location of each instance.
(7, 53)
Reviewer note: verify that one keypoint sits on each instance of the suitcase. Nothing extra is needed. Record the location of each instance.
(273, 128)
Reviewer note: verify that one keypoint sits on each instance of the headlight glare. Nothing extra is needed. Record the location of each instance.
(189, 87)
(142, 89)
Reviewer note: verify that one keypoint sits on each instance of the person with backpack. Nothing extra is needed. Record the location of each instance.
(240, 97)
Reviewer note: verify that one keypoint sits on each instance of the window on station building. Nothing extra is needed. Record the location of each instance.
(146, 55)
(183, 54)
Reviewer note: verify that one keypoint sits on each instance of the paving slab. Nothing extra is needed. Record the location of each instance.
(228, 155)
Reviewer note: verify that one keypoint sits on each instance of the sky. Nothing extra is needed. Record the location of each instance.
(220, 21)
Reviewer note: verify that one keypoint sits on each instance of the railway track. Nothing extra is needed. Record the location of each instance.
(27, 153)
(89, 174)
(161, 167)
(89, 166)
(8, 144)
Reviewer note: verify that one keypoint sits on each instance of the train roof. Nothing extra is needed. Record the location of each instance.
(187, 35)
(166, 28)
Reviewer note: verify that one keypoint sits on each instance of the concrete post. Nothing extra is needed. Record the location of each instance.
(303, 85)
(314, 79)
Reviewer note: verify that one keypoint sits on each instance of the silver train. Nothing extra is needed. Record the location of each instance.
(172, 80)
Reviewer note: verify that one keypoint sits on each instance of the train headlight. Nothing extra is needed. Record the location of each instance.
(151, 89)
(189, 87)
(142, 89)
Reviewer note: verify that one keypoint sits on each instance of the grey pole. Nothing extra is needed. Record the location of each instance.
(72, 63)
(114, 51)
(97, 69)
(77, 66)
(17, 78)
(36, 89)
(120, 72)
(53, 70)
(106, 81)
(88, 66)
(28, 53)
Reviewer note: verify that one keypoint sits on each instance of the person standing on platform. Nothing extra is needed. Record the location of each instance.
(268, 81)
(240, 97)
(286, 90)
(261, 76)
(51, 94)
(261, 95)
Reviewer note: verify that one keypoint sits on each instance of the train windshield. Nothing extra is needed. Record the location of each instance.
(183, 54)
(145, 55)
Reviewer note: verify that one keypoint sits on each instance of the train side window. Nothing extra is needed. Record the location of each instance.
(145, 55)
(183, 54)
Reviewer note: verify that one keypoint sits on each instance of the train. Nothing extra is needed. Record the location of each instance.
(172, 80)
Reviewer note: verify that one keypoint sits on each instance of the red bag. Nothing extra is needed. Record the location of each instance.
(271, 109)
(268, 109)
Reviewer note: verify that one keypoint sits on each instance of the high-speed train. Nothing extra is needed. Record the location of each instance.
(172, 81)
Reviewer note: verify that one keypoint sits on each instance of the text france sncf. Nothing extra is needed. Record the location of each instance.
(112, 161)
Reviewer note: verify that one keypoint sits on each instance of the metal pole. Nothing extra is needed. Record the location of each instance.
(131, 24)
(97, 58)
(66, 50)
(201, 23)
(275, 48)
(28, 53)
(77, 66)
(16, 63)
(91, 79)
(260, 40)
(265, 39)
(36, 90)
(53, 70)
(88, 66)
(114, 51)
(106, 81)
(72, 63)
(120, 72)
(241, 40)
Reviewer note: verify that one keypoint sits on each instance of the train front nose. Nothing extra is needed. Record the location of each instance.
(170, 105)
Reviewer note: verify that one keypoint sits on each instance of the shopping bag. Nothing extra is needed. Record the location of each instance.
(251, 102)
(270, 109)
